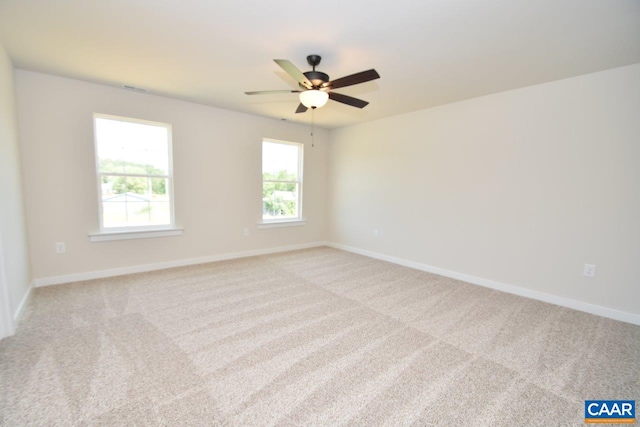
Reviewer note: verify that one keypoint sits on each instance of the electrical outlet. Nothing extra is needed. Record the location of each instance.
(589, 270)
(60, 248)
(245, 231)
(375, 233)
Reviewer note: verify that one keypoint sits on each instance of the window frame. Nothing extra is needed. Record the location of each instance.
(298, 218)
(169, 177)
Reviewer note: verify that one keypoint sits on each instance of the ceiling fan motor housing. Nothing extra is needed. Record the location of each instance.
(316, 77)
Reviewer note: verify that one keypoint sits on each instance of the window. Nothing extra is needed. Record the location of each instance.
(281, 181)
(133, 162)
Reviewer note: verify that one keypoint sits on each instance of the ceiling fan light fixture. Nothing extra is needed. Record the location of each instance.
(313, 98)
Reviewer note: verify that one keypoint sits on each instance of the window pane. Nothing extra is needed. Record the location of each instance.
(112, 185)
(114, 213)
(279, 161)
(160, 213)
(138, 212)
(159, 189)
(279, 200)
(135, 201)
(126, 147)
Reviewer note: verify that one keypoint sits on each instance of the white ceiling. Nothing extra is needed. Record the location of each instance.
(427, 52)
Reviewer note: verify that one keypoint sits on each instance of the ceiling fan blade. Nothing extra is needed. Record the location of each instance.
(301, 109)
(293, 71)
(349, 100)
(353, 79)
(268, 92)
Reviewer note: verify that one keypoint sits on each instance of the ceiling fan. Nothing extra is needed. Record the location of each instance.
(316, 88)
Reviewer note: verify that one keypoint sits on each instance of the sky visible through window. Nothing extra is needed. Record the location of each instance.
(133, 142)
(279, 157)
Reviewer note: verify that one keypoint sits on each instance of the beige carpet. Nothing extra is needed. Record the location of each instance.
(312, 337)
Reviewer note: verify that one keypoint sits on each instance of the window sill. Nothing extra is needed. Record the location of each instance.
(282, 223)
(106, 236)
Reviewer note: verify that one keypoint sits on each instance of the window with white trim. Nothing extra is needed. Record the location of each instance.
(134, 168)
(281, 180)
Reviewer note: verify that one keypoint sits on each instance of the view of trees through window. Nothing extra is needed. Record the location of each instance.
(281, 180)
(139, 185)
(280, 198)
(133, 169)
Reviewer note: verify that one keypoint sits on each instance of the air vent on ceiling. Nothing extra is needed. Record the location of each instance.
(135, 88)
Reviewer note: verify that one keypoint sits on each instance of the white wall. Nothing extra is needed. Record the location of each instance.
(14, 265)
(521, 187)
(217, 177)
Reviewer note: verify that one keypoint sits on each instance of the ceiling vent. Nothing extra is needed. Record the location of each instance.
(135, 88)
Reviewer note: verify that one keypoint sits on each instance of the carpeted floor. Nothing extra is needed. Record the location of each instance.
(312, 337)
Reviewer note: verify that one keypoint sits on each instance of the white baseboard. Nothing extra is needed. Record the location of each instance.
(57, 280)
(20, 310)
(516, 290)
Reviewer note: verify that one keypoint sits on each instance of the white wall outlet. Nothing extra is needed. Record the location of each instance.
(60, 248)
(375, 233)
(245, 232)
(589, 270)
